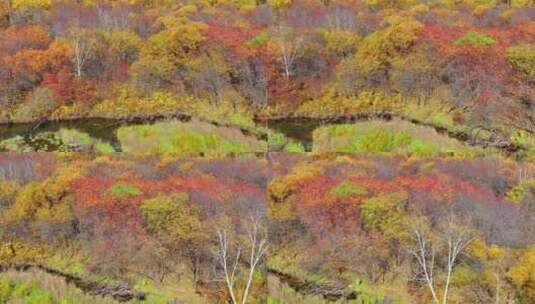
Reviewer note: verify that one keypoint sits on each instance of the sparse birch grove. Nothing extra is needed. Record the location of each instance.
(429, 251)
(231, 255)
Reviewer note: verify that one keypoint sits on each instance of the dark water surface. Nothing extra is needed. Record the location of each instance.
(96, 127)
(301, 129)
(297, 129)
(99, 128)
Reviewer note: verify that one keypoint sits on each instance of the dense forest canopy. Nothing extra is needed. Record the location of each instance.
(268, 58)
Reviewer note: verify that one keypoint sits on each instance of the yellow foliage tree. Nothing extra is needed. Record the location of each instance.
(522, 274)
(19, 253)
(25, 5)
(385, 214)
(522, 58)
(171, 48)
(8, 192)
(126, 44)
(340, 42)
(172, 215)
(282, 194)
(279, 4)
(380, 48)
(41, 198)
(495, 260)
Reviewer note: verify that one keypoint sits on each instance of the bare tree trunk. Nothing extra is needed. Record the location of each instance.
(229, 274)
(258, 249)
(79, 56)
(289, 47)
(455, 240)
(257, 243)
(497, 288)
(426, 262)
(82, 46)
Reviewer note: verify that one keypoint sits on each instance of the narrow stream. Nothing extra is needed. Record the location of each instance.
(121, 292)
(297, 129)
(103, 129)
(98, 128)
(300, 129)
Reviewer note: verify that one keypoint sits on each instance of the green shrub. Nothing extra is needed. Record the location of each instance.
(276, 140)
(348, 189)
(517, 193)
(294, 147)
(259, 39)
(124, 190)
(103, 147)
(474, 38)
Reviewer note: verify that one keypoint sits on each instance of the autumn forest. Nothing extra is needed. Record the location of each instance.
(267, 151)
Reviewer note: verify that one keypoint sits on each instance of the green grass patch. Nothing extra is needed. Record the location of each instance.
(186, 140)
(421, 148)
(398, 137)
(14, 291)
(38, 287)
(358, 138)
